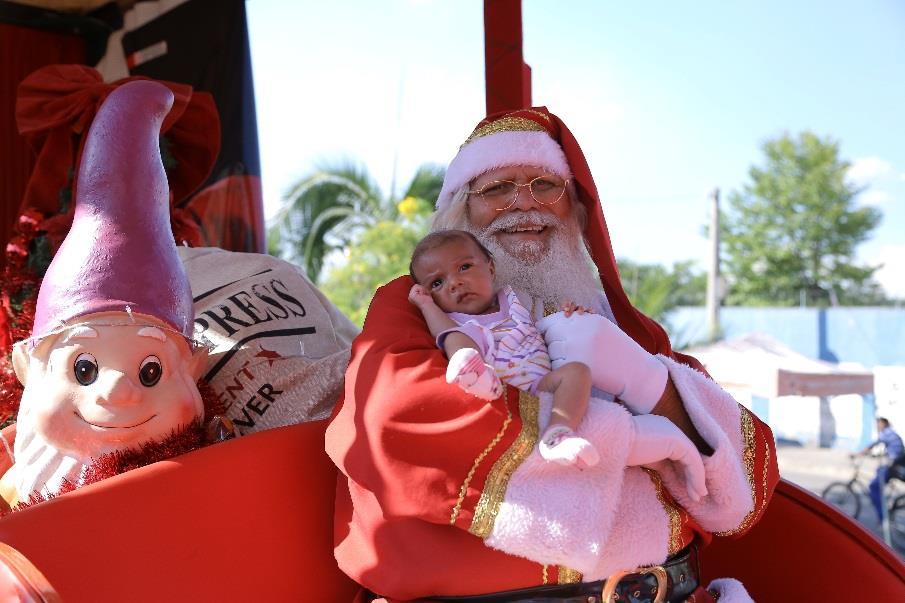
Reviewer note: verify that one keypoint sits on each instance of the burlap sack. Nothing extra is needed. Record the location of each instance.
(279, 348)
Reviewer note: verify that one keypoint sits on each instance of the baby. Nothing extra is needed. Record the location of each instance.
(489, 336)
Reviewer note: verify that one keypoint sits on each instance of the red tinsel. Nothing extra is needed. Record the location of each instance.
(10, 390)
(18, 297)
(28, 222)
(17, 251)
(213, 406)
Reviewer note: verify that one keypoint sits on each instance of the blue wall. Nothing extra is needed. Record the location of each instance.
(870, 336)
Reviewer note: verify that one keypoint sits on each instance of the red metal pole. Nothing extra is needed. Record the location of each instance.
(507, 77)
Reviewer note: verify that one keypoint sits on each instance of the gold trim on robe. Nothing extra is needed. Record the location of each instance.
(675, 519)
(474, 466)
(498, 479)
(749, 436)
(567, 576)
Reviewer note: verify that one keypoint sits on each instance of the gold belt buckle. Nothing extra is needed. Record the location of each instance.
(612, 581)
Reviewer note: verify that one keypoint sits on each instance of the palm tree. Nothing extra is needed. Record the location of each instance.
(326, 209)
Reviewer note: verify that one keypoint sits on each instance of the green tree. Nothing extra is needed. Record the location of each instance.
(791, 233)
(655, 289)
(379, 254)
(326, 210)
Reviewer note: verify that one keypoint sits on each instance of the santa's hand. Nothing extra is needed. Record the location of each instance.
(569, 308)
(618, 364)
(467, 370)
(658, 439)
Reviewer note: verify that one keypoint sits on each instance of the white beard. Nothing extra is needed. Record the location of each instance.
(39, 465)
(563, 272)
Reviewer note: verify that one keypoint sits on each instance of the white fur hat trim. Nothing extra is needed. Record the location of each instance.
(489, 152)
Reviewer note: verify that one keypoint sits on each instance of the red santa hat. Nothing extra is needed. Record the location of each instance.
(119, 254)
(512, 138)
(539, 138)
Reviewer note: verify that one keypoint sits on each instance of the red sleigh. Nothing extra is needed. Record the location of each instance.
(250, 519)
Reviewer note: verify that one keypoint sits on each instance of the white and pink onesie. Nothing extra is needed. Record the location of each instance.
(508, 340)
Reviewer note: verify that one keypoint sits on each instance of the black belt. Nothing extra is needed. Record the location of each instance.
(679, 576)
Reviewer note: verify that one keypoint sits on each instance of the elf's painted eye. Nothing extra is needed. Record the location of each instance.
(85, 369)
(150, 371)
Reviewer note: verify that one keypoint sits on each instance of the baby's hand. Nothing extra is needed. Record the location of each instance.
(419, 296)
(467, 370)
(569, 307)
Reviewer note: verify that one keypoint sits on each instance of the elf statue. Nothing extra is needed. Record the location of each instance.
(110, 365)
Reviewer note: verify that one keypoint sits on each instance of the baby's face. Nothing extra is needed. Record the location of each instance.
(458, 276)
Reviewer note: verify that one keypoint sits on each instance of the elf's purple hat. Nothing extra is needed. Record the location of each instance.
(120, 254)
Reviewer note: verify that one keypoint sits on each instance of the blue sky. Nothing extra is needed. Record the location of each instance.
(668, 99)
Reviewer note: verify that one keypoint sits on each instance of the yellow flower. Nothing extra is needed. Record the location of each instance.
(408, 207)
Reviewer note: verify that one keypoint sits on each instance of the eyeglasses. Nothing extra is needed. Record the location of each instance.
(502, 194)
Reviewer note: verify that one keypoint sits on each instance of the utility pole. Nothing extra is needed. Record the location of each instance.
(398, 134)
(713, 270)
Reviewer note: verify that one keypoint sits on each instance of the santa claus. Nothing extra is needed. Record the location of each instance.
(430, 472)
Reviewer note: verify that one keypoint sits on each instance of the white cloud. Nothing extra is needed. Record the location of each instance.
(867, 169)
(874, 197)
(892, 275)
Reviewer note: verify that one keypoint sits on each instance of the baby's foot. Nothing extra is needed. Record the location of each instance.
(467, 370)
(562, 445)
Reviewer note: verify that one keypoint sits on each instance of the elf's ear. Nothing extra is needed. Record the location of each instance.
(492, 267)
(21, 361)
(198, 362)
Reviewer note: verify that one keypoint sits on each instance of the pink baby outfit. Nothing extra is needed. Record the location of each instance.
(508, 340)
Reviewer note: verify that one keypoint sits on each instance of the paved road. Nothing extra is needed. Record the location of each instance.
(814, 468)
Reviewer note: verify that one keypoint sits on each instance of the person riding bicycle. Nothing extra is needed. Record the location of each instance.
(895, 452)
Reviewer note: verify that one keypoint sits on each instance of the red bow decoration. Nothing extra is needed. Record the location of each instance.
(55, 106)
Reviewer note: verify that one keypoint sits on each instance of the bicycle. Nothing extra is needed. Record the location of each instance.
(847, 496)
(895, 489)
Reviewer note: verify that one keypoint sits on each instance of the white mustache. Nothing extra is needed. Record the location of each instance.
(531, 217)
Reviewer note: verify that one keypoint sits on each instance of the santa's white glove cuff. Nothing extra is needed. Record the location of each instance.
(644, 389)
